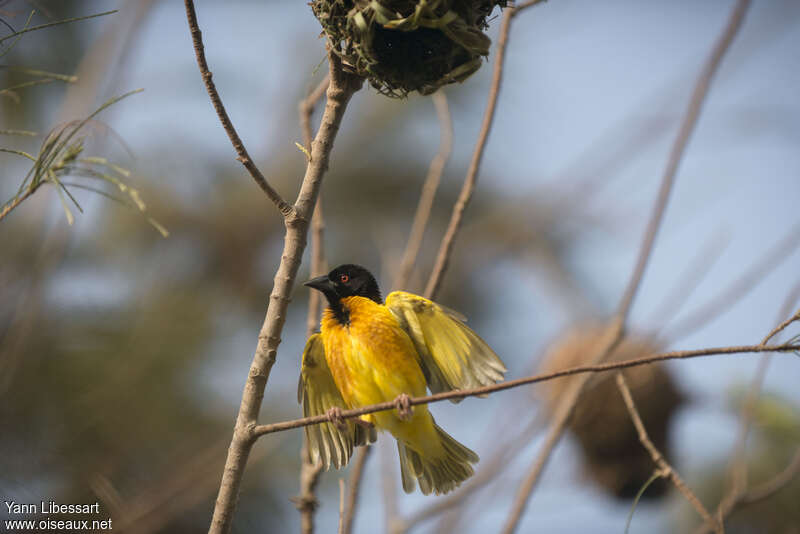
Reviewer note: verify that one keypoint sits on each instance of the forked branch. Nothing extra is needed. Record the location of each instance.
(261, 430)
(342, 86)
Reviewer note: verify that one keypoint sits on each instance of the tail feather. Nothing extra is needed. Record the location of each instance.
(436, 475)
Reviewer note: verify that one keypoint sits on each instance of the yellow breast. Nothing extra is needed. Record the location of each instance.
(371, 357)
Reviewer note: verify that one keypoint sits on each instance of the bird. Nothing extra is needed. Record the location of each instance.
(370, 351)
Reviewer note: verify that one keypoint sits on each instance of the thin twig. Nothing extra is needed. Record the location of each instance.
(490, 468)
(739, 288)
(241, 151)
(763, 491)
(617, 329)
(261, 430)
(429, 188)
(658, 458)
(342, 87)
(737, 468)
(391, 516)
(355, 483)
(341, 506)
(310, 472)
(769, 488)
(56, 23)
(778, 329)
(420, 223)
(18, 200)
(306, 502)
(606, 345)
(464, 197)
(705, 257)
(679, 147)
(306, 109)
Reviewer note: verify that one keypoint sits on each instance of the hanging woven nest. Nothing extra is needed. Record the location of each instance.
(614, 457)
(402, 46)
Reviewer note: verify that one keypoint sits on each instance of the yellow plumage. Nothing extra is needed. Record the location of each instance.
(374, 353)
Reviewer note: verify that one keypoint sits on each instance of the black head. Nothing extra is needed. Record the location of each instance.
(347, 281)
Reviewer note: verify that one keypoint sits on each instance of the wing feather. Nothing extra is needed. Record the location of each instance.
(318, 393)
(452, 356)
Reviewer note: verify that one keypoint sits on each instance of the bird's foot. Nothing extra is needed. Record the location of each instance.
(403, 404)
(335, 416)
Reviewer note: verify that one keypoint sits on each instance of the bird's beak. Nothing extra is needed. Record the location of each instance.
(321, 283)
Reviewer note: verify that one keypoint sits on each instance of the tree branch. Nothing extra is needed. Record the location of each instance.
(310, 472)
(723, 300)
(617, 329)
(435, 170)
(241, 151)
(769, 488)
(342, 86)
(666, 469)
(446, 248)
(261, 430)
(679, 148)
(341, 506)
(737, 468)
(355, 483)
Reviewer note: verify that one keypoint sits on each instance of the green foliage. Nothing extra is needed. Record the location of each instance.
(60, 156)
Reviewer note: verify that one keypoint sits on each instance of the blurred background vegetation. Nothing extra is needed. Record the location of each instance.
(123, 353)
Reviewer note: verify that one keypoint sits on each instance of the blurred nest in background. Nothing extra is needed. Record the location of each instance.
(408, 45)
(615, 458)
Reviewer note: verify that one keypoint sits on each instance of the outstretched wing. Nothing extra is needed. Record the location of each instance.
(317, 393)
(452, 356)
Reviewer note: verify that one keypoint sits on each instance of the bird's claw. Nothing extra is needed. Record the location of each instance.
(403, 404)
(335, 416)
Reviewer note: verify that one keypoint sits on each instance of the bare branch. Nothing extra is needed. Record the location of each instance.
(679, 148)
(778, 329)
(306, 502)
(355, 483)
(740, 287)
(341, 506)
(428, 189)
(261, 430)
(446, 248)
(658, 458)
(342, 86)
(310, 471)
(704, 258)
(616, 332)
(737, 468)
(490, 468)
(243, 156)
(306, 109)
(771, 487)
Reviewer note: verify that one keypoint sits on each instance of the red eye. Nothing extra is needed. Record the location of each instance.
(344, 278)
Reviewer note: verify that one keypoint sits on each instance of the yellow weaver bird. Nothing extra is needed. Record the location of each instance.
(369, 352)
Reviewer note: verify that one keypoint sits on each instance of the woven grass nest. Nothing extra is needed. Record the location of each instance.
(402, 46)
(613, 455)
